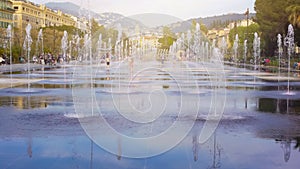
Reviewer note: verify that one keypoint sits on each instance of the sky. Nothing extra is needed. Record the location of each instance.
(183, 9)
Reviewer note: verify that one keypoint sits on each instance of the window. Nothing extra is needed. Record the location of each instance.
(16, 7)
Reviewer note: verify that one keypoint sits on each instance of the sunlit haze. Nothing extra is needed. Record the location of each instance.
(182, 9)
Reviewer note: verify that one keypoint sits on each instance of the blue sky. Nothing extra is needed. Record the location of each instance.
(184, 9)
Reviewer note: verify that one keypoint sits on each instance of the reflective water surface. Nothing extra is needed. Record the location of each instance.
(260, 127)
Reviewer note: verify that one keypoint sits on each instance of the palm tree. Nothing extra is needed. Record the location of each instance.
(294, 15)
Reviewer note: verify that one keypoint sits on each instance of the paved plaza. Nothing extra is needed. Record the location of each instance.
(197, 114)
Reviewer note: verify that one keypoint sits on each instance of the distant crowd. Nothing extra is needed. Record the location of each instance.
(46, 59)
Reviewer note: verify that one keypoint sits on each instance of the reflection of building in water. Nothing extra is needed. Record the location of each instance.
(28, 102)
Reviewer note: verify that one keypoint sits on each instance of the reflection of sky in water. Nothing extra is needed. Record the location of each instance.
(236, 151)
(39, 131)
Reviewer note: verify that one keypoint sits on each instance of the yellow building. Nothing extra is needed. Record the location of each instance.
(6, 13)
(38, 15)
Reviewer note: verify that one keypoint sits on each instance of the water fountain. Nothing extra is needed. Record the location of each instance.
(119, 29)
(86, 46)
(256, 49)
(189, 38)
(40, 40)
(207, 50)
(64, 47)
(99, 47)
(64, 44)
(223, 46)
(235, 48)
(245, 52)
(77, 43)
(182, 42)
(9, 36)
(280, 51)
(197, 39)
(290, 44)
(27, 47)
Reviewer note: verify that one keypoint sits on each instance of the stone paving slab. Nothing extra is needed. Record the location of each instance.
(277, 78)
(23, 67)
(7, 82)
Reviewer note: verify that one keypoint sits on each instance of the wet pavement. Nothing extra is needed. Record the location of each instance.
(61, 119)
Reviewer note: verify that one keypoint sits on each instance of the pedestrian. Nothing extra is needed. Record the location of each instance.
(107, 59)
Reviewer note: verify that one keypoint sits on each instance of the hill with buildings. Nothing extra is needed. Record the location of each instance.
(109, 19)
(147, 21)
(216, 22)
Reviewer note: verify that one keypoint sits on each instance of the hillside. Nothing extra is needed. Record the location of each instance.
(109, 19)
(208, 21)
(147, 21)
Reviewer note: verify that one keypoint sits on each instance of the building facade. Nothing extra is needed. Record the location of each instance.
(38, 15)
(6, 13)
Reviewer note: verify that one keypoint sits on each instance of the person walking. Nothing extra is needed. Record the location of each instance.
(107, 60)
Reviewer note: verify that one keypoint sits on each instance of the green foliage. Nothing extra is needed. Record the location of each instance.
(52, 36)
(294, 19)
(244, 33)
(168, 38)
(273, 18)
(219, 24)
(203, 28)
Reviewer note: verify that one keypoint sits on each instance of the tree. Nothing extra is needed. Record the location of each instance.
(272, 18)
(168, 38)
(203, 27)
(294, 19)
(243, 32)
